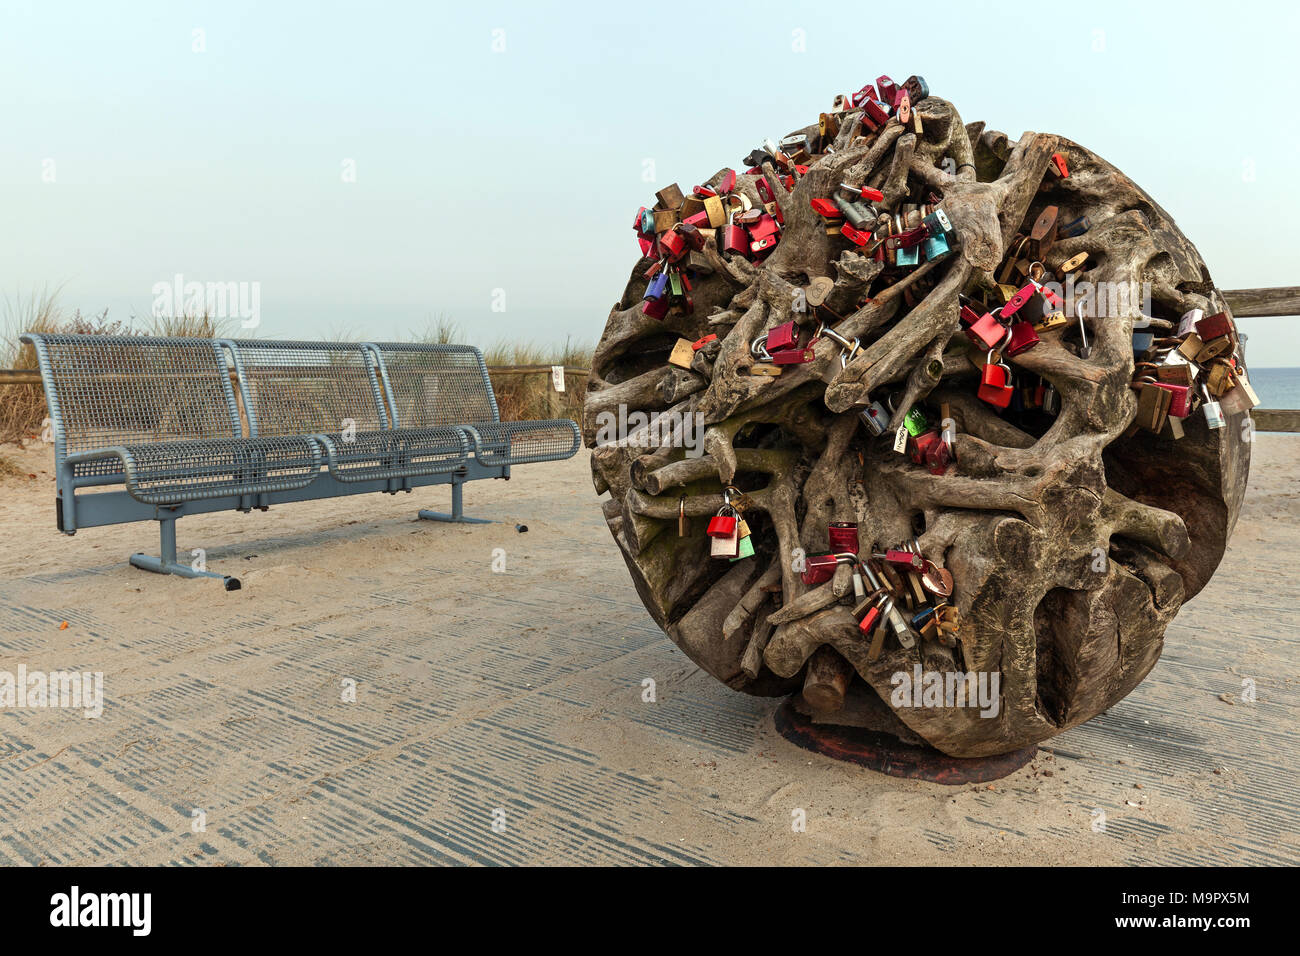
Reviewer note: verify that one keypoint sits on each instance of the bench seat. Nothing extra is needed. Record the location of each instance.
(399, 453)
(519, 443)
(165, 473)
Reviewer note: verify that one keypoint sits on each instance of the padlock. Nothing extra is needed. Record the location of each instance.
(1180, 405)
(1072, 264)
(995, 383)
(744, 549)
(820, 568)
(868, 92)
(875, 417)
(783, 336)
(1212, 410)
(826, 208)
(793, 356)
(1188, 322)
(986, 332)
(1214, 327)
(916, 88)
(902, 559)
(935, 247)
(657, 288)
(1142, 342)
(1058, 163)
(725, 546)
(734, 238)
(1211, 350)
(855, 236)
(1219, 379)
(672, 245)
(914, 421)
(1153, 407)
(1023, 338)
(1053, 320)
(670, 197)
(908, 256)
(843, 537)
(903, 107)
(887, 87)
(874, 115)
(665, 219)
(1076, 227)
(858, 215)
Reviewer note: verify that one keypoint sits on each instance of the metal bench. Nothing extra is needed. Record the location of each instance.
(428, 386)
(190, 426)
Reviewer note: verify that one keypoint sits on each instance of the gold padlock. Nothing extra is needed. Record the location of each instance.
(682, 354)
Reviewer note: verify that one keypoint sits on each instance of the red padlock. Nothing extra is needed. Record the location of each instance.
(819, 568)
(986, 332)
(1023, 338)
(672, 245)
(1181, 406)
(905, 560)
(888, 88)
(700, 343)
(655, 308)
(793, 357)
(995, 383)
(873, 115)
(1059, 162)
(783, 336)
(843, 536)
(734, 238)
(868, 92)
(722, 526)
(1018, 300)
(869, 620)
(826, 209)
(857, 236)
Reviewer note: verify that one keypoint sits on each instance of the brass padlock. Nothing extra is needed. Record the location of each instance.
(682, 354)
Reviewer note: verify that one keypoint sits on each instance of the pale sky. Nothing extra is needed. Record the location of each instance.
(504, 146)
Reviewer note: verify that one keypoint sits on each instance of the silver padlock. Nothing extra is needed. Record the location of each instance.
(1084, 349)
(1213, 411)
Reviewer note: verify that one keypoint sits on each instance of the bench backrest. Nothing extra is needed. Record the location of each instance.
(109, 390)
(306, 388)
(431, 385)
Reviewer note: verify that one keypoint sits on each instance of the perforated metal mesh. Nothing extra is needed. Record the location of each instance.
(170, 472)
(108, 390)
(435, 385)
(307, 388)
(518, 443)
(406, 452)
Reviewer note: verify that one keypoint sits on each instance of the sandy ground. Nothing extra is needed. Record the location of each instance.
(499, 716)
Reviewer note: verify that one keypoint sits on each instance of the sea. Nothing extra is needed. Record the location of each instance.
(1276, 387)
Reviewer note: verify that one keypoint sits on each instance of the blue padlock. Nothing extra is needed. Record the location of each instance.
(1076, 227)
(1142, 341)
(935, 247)
(658, 286)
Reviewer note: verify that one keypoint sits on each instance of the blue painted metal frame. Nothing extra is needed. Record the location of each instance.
(318, 453)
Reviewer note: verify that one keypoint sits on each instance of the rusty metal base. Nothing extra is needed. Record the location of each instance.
(887, 754)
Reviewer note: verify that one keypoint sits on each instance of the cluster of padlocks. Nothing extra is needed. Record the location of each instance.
(898, 591)
(1198, 365)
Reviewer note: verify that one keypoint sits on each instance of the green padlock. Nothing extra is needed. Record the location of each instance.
(746, 543)
(915, 421)
(675, 283)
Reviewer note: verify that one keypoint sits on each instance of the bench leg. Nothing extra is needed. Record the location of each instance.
(457, 509)
(166, 563)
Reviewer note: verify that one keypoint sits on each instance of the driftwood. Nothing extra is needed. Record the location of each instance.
(1070, 550)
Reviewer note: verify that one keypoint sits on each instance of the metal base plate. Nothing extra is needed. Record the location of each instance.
(453, 518)
(886, 754)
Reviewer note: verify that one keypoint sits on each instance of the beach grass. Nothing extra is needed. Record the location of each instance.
(519, 396)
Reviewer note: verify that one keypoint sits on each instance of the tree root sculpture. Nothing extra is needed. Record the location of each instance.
(1072, 539)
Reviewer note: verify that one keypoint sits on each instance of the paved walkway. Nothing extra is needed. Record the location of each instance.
(499, 716)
